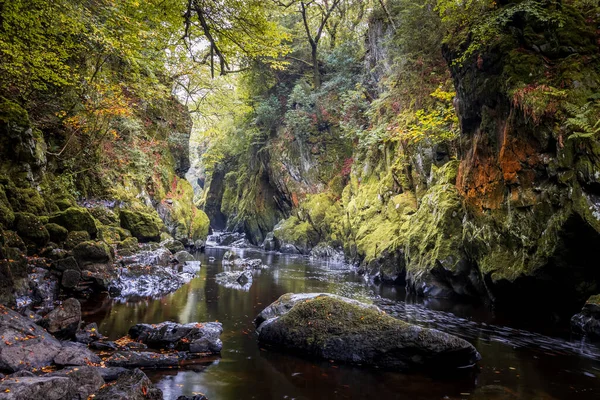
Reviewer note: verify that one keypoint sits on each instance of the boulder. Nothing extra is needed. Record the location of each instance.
(195, 397)
(173, 245)
(128, 247)
(160, 256)
(111, 374)
(105, 215)
(58, 234)
(32, 231)
(64, 320)
(38, 387)
(75, 238)
(142, 359)
(132, 385)
(70, 279)
(183, 256)
(144, 227)
(587, 322)
(75, 219)
(88, 334)
(92, 253)
(24, 345)
(241, 280)
(334, 328)
(87, 380)
(76, 354)
(193, 337)
(66, 264)
(149, 280)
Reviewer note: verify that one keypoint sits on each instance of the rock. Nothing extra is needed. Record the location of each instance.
(75, 219)
(88, 334)
(128, 247)
(105, 215)
(76, 354)
(333, 328)
(132, 385)
(92, 253)
(102, 345)
(193, 337)
(196, 397)
(111, 374)
(229, 255)
(64, 320)
(32, 231)
(135, 359)
(43, 289)
(66, 264)
(87, 380)
(70, 279)
(38, 387)
(26, 345)
(75, 238)
(587, 322)
(160, 256)
(241, 280)
(144, 227)
(173, 245)
(246, 263)
(325, 251)
(58, 234)
(183, 256)
(12, 239)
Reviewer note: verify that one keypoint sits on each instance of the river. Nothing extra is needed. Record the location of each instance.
(518, 360)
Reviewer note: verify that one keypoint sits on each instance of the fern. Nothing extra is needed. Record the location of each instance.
(584, 120)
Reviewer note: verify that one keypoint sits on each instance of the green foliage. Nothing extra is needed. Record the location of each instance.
(584, 121)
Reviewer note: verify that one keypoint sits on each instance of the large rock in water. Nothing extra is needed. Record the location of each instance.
(64, 320)
(587, 322)
(335, 328)
(193, 337)
(23, 344)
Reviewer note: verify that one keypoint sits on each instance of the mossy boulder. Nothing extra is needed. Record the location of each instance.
(105, 215)
(12, 239)
(58, 234)
(143, 226)
(112, 234)
(173, 245)
(128, 246)
(31, 230)
(75, 219)
(334, 328)
(7, 216)
(294, 233)
(587, 322)
(92, 253)
(76, 237)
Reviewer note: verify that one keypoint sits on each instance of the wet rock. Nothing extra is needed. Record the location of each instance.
(43, 289)
(173, 245)
(64, 320)
(42, 387)
(196, 397)
(102, 345)
(587, 322)
(87, 380)
(132, 385)
(75, 354)
(136, 359)
(160, 256)
(183, 256)
(128, 247)
(65, 264)
(241, 280)
(92, 253)
(245, 263)
(111, 374)
(75, 219)
(88, 334)
(325, 251)
(193, 337)
(149, 280)
(25, 344)
(70, 279)
(332, 328)
(229, 255)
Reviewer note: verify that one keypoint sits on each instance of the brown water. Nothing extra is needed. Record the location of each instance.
(520, 360)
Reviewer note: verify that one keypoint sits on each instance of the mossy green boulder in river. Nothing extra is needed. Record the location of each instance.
(335, 328)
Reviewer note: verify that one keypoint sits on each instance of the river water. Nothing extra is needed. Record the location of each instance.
(519, 361)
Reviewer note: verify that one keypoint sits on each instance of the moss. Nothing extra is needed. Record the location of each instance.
(11, 112)
(130, 245)
(64, 203)
(299, 233)
(12, 239)
(58, 234)
(26, 200)
(75, 219)
(445, 174)
(92, 252)
(76, 237)
(200, 225)
(30, 228)
(145, 227)
(105, 216)
(111, 234)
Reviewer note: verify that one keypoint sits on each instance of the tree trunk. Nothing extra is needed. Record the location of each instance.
(315, 62)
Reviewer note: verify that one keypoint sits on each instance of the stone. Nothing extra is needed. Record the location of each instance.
(75, 219)
(141, 359)
(70, 279)
(25, 345)
(92, 253)
(183, 256)
(38, 387)
(102, 345)
(193, 337)
(332, 328)
(587, 322)
(241, 280)
(195, 397)
(66, 264)
(32, 231)
(87, 380)
(88, 334)
(58, 234)
(111, 374)
(76, 354)
(75, 238)
(64, 320)
(132, 385)
(149, 280)
(173, 245)
(144, 227)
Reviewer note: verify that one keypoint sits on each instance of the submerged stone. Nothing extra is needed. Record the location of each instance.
(335, 328)
(194, 337)
(587, 321)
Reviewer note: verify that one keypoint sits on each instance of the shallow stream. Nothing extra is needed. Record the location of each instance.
(519, 361)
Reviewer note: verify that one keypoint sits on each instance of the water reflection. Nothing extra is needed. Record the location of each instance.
(516, 363)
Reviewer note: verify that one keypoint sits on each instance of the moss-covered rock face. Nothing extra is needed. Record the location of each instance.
(58, 234)
(332, 328)
(76, 237)
(75, 219)
(143, 226)
(32, 231)
(112, 234)
(105, 216)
